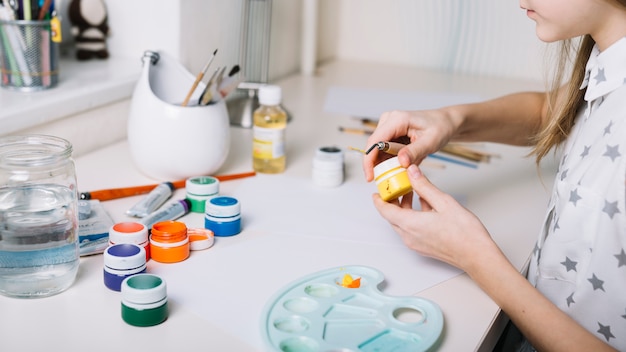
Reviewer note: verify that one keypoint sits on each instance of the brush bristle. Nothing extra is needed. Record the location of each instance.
(233, 71)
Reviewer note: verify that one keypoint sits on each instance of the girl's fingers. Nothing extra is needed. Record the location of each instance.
(430, 196)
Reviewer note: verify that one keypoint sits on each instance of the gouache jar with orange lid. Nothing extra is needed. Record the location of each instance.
(169, 242)
(392, 179)
(130, 232)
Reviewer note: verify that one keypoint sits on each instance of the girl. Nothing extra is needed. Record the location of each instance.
(574, 297)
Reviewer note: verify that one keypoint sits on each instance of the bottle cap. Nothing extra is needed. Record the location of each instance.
(222, 207)
(386, 165)
(144, 289)
(200, 239)
(128, 232)
(270, 95)
(202, 185)
(124, 256)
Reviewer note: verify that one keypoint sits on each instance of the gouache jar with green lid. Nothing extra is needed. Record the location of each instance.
(144, 300)
(199, 189)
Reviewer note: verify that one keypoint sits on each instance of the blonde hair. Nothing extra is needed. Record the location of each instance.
(563, 108)
(564, 101)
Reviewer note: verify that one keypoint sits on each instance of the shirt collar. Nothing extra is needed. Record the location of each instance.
(605, 71)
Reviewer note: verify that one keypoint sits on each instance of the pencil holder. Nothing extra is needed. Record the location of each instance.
(29, 59)
(168, 141)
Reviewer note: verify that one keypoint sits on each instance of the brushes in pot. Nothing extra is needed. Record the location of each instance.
(198, 79)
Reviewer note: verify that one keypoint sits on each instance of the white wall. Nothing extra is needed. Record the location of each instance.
(486, 37)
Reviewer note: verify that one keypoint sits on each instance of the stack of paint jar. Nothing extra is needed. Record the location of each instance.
(222, 215)
(144, 296)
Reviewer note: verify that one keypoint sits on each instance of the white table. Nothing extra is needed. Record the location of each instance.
(507, 195)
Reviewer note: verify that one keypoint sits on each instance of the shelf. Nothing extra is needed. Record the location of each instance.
(83, 85)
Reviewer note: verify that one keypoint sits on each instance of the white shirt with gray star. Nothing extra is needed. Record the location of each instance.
(579, 262)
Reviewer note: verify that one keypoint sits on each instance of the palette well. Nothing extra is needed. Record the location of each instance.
(317, 313)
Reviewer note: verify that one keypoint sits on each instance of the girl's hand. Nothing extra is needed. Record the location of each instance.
(426, 131)
(442, 229)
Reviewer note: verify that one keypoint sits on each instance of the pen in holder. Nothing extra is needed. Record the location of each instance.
(29, 59)
(168, 141)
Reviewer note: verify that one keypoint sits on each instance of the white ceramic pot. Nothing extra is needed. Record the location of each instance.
(168, 141)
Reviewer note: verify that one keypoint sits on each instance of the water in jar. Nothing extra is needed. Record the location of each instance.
(38, 240)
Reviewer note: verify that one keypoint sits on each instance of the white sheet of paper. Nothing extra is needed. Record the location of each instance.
(296, 206)
(371, 103)
(261, 264)
(288, 223)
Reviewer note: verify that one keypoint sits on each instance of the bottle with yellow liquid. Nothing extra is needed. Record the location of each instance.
(270, 122)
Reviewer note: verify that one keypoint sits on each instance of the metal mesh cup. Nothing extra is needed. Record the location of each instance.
(29, 59)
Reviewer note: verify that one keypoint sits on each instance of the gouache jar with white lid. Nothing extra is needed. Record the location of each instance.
(169, 242)
(200, 189)
(223, 216)
(328, 167)
(144, 300)
(122, 261)
(130, 232)
(391, 179)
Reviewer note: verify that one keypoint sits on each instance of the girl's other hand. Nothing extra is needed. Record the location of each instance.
(442, 229)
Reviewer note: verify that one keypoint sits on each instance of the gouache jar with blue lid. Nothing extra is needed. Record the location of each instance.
(223, 216)
(144, 300)
(122, 261)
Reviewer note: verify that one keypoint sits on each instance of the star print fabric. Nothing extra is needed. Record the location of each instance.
(579, 262)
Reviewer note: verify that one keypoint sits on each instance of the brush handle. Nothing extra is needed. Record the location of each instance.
(193, 88)
(115, 193)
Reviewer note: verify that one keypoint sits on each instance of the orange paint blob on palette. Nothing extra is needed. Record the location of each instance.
(349, 282)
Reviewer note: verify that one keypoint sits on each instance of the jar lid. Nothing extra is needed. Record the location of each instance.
(128, 232)
(202, 185)
(143, 289)
(329, 152)
(200, 239)
(124, 256)
(389, 164)
(270, 95)
(222, 207)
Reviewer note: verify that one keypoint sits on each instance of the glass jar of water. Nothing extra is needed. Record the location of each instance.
(39, 252)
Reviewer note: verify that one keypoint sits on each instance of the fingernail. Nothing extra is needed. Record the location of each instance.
(414, 171)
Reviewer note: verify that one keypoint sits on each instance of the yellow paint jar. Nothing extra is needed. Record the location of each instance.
(391, 179)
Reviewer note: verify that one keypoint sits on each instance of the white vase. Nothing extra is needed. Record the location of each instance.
(168, 141)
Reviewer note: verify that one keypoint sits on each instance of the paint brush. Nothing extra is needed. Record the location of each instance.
(387, 147)
(207, 94)
(466, 153)
(354, 130)
(220, 76)
(229, 83)
(115, 193)
(233, 71)
(198, 79)
(423, 163)
(393, 148)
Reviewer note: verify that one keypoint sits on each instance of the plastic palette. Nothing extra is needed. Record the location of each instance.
(316, 313)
